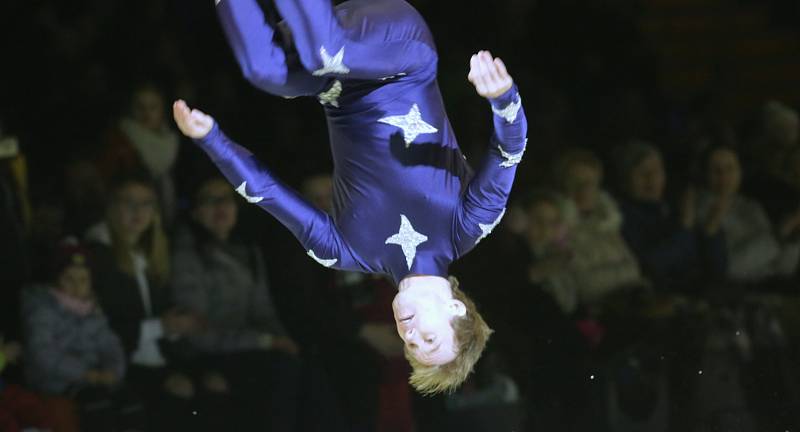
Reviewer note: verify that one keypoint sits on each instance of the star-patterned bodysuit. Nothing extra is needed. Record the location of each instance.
(405, 199)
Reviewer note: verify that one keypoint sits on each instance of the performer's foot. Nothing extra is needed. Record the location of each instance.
(193, 123)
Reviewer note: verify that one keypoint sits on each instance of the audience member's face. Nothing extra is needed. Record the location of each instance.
(544, 223)
(216, 208)
(583, 186)
(784, 127)
(319, 190)
(724, 172)
(423, 316)
(134, 210)
(148, 109)
(648, 179)
(76, 282)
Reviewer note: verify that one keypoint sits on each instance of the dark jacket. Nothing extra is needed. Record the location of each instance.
(62, 346)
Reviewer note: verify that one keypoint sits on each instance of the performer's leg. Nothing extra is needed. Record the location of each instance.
(263, 62)
(325, 48)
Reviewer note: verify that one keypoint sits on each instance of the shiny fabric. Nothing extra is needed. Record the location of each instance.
(377, 61)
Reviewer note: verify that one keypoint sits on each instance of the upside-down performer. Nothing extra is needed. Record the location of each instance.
(407, 204)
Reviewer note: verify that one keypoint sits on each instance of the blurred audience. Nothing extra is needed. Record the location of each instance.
(14, 230)
(144, 141)
(220, 276)
(130, 270)
(661, 236)
(752, 253)
(71, 350)
(223, 334)
(601, 262)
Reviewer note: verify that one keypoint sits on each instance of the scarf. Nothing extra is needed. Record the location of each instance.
(79, 307)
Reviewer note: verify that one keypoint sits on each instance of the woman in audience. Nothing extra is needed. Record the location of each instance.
(661, 236)
(776, 149)
(71, 350)
(144, 141)
(752, 253)
(222, 278)
(130, 270)
(601, 262)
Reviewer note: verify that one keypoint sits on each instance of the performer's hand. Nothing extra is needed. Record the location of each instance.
(489, 75)
(193, 123)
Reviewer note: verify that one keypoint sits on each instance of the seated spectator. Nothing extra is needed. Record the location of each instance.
(661, 236)
(601, 262)
(19, 408)
(130, 269)
(14, 220)
(777, 185)
(752, 253)
(222, 278)
(143, 141)
(547, 238)
(71, 350)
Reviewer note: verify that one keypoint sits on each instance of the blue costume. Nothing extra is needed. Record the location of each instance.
(405, 199)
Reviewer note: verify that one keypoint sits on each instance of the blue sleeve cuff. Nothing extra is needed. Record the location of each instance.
(504, 100)
(211, 137)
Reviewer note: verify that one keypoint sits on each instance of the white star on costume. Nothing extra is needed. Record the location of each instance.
(488, 228)
(510, 112)
(242, 190)
(325, 263)
(408, 239)
(330, 64)
(401, 74)
(331, 96)
(411, 123)
(511, 159)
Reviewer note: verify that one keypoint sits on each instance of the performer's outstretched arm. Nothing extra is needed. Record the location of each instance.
(263, 62)
(327, 49)
(484, 202)
(314, 228)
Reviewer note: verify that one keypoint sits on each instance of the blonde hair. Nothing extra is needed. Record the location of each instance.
(153, 242)
(471, 334)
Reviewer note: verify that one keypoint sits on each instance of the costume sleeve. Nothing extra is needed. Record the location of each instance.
(314, 228)
(484, 202)
(327, 49)
(264, 63)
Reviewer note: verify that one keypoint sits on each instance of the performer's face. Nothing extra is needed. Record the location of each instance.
(423, 315)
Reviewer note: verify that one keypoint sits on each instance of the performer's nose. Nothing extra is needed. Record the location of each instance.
(410, 332)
